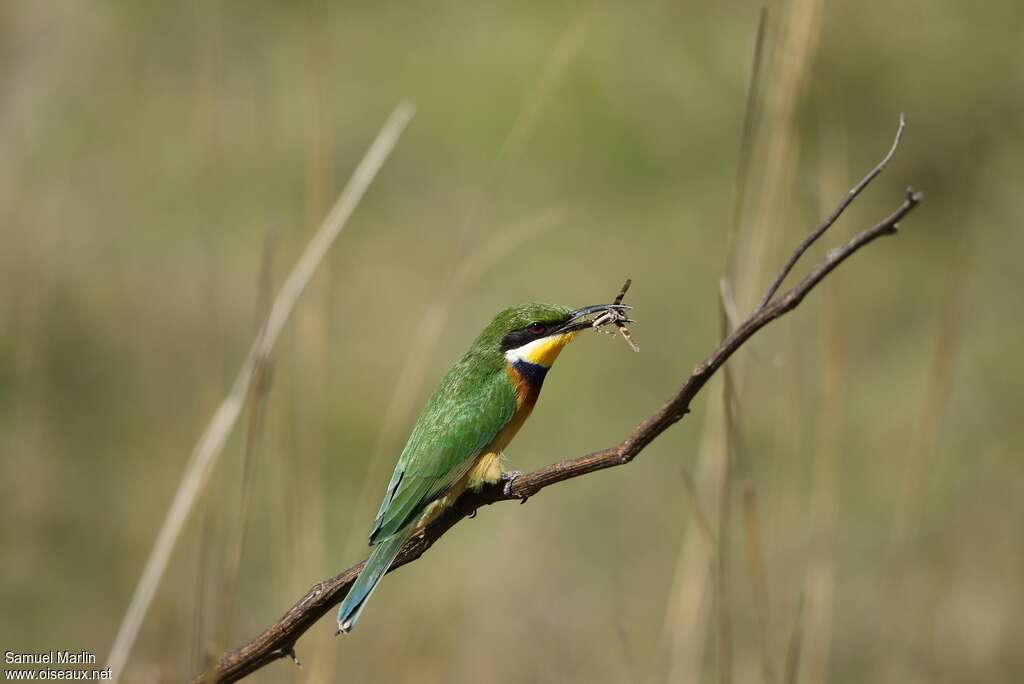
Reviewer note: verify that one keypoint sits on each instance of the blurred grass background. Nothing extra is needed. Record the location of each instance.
(150, 150)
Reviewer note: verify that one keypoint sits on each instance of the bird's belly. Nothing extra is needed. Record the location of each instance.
(485, 470)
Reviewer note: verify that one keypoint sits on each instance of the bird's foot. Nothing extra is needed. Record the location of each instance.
(508, 478)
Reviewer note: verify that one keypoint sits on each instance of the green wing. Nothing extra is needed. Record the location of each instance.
(461, 418)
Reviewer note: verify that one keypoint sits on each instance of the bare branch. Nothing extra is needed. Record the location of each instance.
(833, 217)
(279, 639)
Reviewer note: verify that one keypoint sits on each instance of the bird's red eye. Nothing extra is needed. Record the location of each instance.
(536, 328)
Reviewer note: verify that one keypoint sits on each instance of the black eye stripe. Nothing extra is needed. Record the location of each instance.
(517, 338)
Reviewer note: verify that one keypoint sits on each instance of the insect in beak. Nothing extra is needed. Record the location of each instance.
(600, 315)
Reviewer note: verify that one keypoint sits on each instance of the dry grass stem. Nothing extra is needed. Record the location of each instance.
(211, 442)
(758, 580)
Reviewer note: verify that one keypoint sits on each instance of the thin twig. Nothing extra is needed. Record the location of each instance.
(279, 638)
(833, 217)
(211, 442)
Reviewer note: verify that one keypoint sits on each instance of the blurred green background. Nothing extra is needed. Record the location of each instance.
(156, 156)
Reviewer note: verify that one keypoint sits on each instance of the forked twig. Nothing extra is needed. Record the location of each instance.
(833, 217)
(279, 638)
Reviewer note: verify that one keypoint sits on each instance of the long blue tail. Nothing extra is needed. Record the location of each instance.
(377, 564)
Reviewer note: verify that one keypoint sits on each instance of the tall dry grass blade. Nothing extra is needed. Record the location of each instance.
(819, 576)
(920, 461)
(819, 580)
(746, 143)
(536, 100)
(723, 585)
(778, 145)
(938, 389)
(792, 669)
(628, 666)
(551, 74)
(698, 513)
(196, 659)
(816, 643)
(758, 580)
(315, 329)
(259, 393)
(211, 442)
(681, 634)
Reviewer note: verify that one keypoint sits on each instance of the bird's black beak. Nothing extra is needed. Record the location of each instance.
(581, 319)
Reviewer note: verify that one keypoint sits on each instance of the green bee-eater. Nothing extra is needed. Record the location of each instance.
(458, 440)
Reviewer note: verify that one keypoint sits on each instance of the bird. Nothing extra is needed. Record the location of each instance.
(457, 443)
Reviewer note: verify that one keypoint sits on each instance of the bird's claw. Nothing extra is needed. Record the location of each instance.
(508, 478)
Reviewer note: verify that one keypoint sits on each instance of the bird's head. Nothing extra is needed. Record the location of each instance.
(537, 333)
